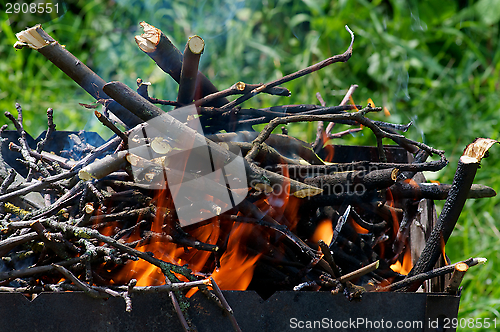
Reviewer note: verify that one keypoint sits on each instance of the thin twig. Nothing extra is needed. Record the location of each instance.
(264, 134)
(360, 272)
(8, 181)
(329, 258)
(178, 286)
(25, 149)
(106, 122)
(126, 295)
(320, 127)
(421, 277)
(38, 185)
(241, 88)
(228, 309)
(50, 130)
(83, 232)
(36, 269)
(344, 101)
(337, 58)
(80, 284)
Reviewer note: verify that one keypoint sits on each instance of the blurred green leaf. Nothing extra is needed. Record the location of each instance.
(488, 11)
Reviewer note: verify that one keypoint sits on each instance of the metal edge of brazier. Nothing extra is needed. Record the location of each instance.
(283, 311)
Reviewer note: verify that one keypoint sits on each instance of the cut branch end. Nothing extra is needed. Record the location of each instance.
(196, 44)
(148, 41)
(31, 37)
(476, 151)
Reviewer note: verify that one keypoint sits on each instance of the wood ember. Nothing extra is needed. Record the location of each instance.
(305, 223)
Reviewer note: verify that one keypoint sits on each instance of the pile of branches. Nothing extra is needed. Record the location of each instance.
(82, 233)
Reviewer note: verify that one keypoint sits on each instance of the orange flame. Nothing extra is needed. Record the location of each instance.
(109, 229)
(394, 216)
(330, 152)
(443, 252)
(386, 112)
(329, 149)
(359, 229)
(150, 275)
(406, 266)
(324, 231)
(279, 198)
(236, 267)
(351, 101)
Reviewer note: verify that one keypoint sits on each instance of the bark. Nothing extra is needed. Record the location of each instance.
(155, 44)
(467, 166)
(75, 69)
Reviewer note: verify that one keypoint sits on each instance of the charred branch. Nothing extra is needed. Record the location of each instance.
(417, 279)
(466, 170)
(436, 191)
(356, 182)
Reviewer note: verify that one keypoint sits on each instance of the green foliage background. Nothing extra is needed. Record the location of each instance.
(435, 63)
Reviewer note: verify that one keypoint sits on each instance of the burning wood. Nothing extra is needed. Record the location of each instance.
(140, 214)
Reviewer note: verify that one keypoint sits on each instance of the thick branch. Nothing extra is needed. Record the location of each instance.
(190, 61)
(74, 68)
(155, 44)
(417, 191)
(467, 166)
(356, 182)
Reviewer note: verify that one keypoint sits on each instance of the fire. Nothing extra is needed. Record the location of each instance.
(209, 234)
(279, 199)
(328, 148)
(359, 229)
(236, 264)
(386, 111)
(324, 231)
(442, 244)
(236, 270)
(406, 266)
(109, 229)
(395, 219)
(351, 101)
(150, 275)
